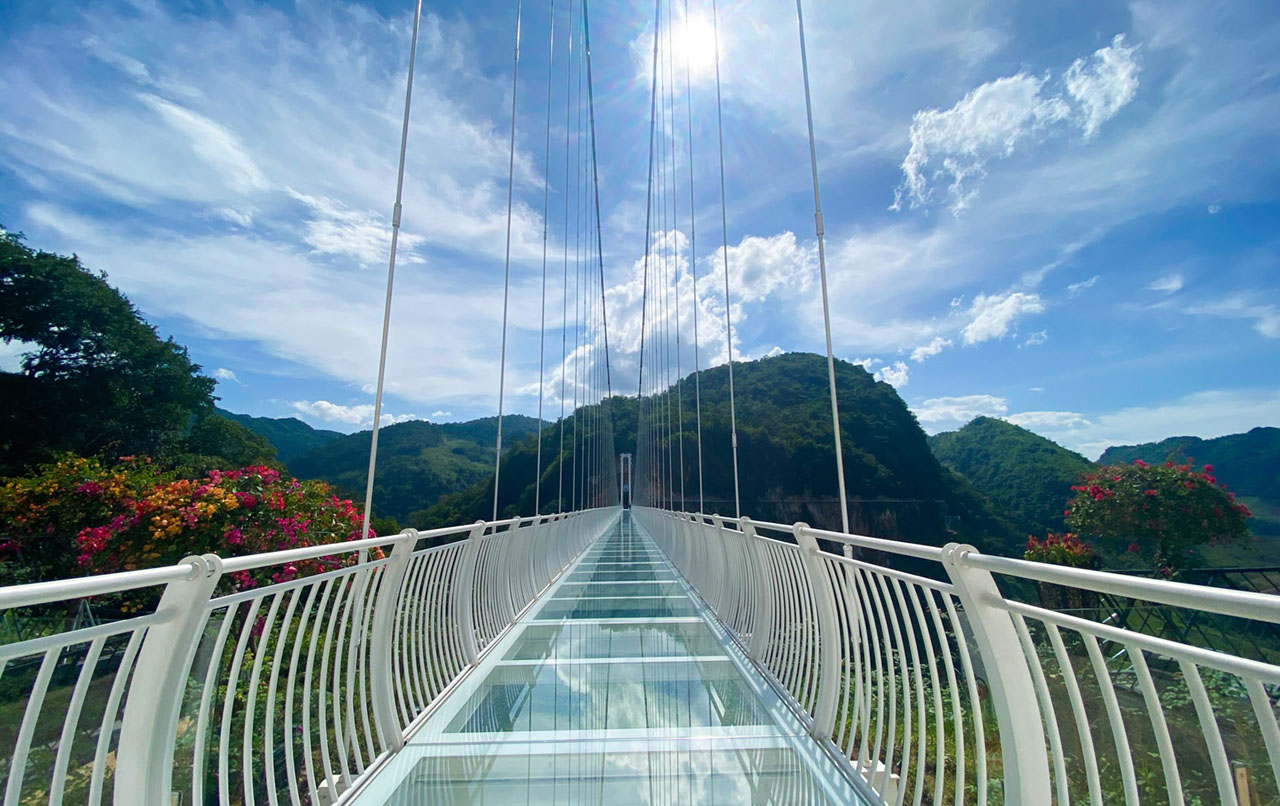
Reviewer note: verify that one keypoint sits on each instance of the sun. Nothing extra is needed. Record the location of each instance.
(693, 41)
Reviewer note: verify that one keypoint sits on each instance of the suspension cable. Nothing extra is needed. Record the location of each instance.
(564, 293)
(391, 275)
(542, 328)
(675, 277)
(506, 281)
(693, 258)
(822, 271)
(724, 224)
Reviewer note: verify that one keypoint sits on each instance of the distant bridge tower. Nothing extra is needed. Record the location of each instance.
(624, 479)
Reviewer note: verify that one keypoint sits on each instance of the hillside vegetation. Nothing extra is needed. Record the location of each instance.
(1020, 471)
(290, 436)
(418, 461)
(896, 486)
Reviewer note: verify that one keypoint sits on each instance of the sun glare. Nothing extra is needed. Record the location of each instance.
(694, 40)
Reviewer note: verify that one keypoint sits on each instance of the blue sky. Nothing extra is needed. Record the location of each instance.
(1064, 214)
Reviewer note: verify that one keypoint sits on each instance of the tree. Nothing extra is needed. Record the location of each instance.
(97, 378)
(1165, 511)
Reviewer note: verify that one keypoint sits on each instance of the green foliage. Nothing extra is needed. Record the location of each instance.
(1019, 470)
(1249, 463)
(418, 461)
(289, 436)
(784, 438)
(1166, 511)
(98, 378)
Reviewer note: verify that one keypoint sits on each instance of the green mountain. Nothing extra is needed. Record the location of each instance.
(418, 461)
(896, 486)
(1020, 471)
(290, 436)
(1249, 464)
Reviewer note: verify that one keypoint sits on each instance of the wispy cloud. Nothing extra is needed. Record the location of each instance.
(224, 374)
(1265, 317)
(1076, 289)
(1167, 284)
(954, 411)
(360, 416)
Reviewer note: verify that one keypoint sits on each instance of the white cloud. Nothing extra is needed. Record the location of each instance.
(931, 349)
(365, 235)
(941, 412)
(776, 351)
(211, 142)
(994, 118)
(224, 374)
(865, 363)
(1075, 289)
(1048, 419)
(1214, 209)
(438, 414)
(990, 317)
(1168, 284)
(894, 375)
(360, 415)
(1103, 83)
(1036, 339)
(760, 267)
(1266, 318)
(1207, 414)
(1035, 389)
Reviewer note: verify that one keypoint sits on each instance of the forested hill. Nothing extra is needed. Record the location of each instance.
(1248, 463)
(290, 436)
(418, 461)
(896, 486)
(1020, 471)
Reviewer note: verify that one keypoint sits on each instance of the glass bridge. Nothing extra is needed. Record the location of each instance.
(617, 687)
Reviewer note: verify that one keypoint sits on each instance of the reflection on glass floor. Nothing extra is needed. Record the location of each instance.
(614, 689)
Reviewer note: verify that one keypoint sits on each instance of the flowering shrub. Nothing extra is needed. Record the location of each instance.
(129, 516)
(1166, 511)
(41, 514)
(1061, 549)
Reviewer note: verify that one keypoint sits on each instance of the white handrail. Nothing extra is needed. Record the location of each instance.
(894, 669)
(332, 669)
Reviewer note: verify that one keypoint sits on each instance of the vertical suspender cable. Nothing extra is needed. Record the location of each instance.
(564, 292)
(822, 270)
(675, 225)
(641, 432)
(595, 184)
(391, 274)
(506, 280)
(724, 224)
(693, 260)
(546, 200)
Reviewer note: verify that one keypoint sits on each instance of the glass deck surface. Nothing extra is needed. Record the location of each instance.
(616, 687)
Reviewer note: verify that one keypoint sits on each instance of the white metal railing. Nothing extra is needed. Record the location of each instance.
(938, 688)
(287, 693)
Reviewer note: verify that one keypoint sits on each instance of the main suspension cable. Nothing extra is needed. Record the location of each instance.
(564, 292)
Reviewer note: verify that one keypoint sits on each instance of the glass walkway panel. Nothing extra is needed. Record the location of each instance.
(617, 688)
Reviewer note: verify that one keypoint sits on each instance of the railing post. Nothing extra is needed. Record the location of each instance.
(1022, 737)
(762, 588)
(508, 559)
(148, 732)
(384, 611)
(462, 594)
(829, 676)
